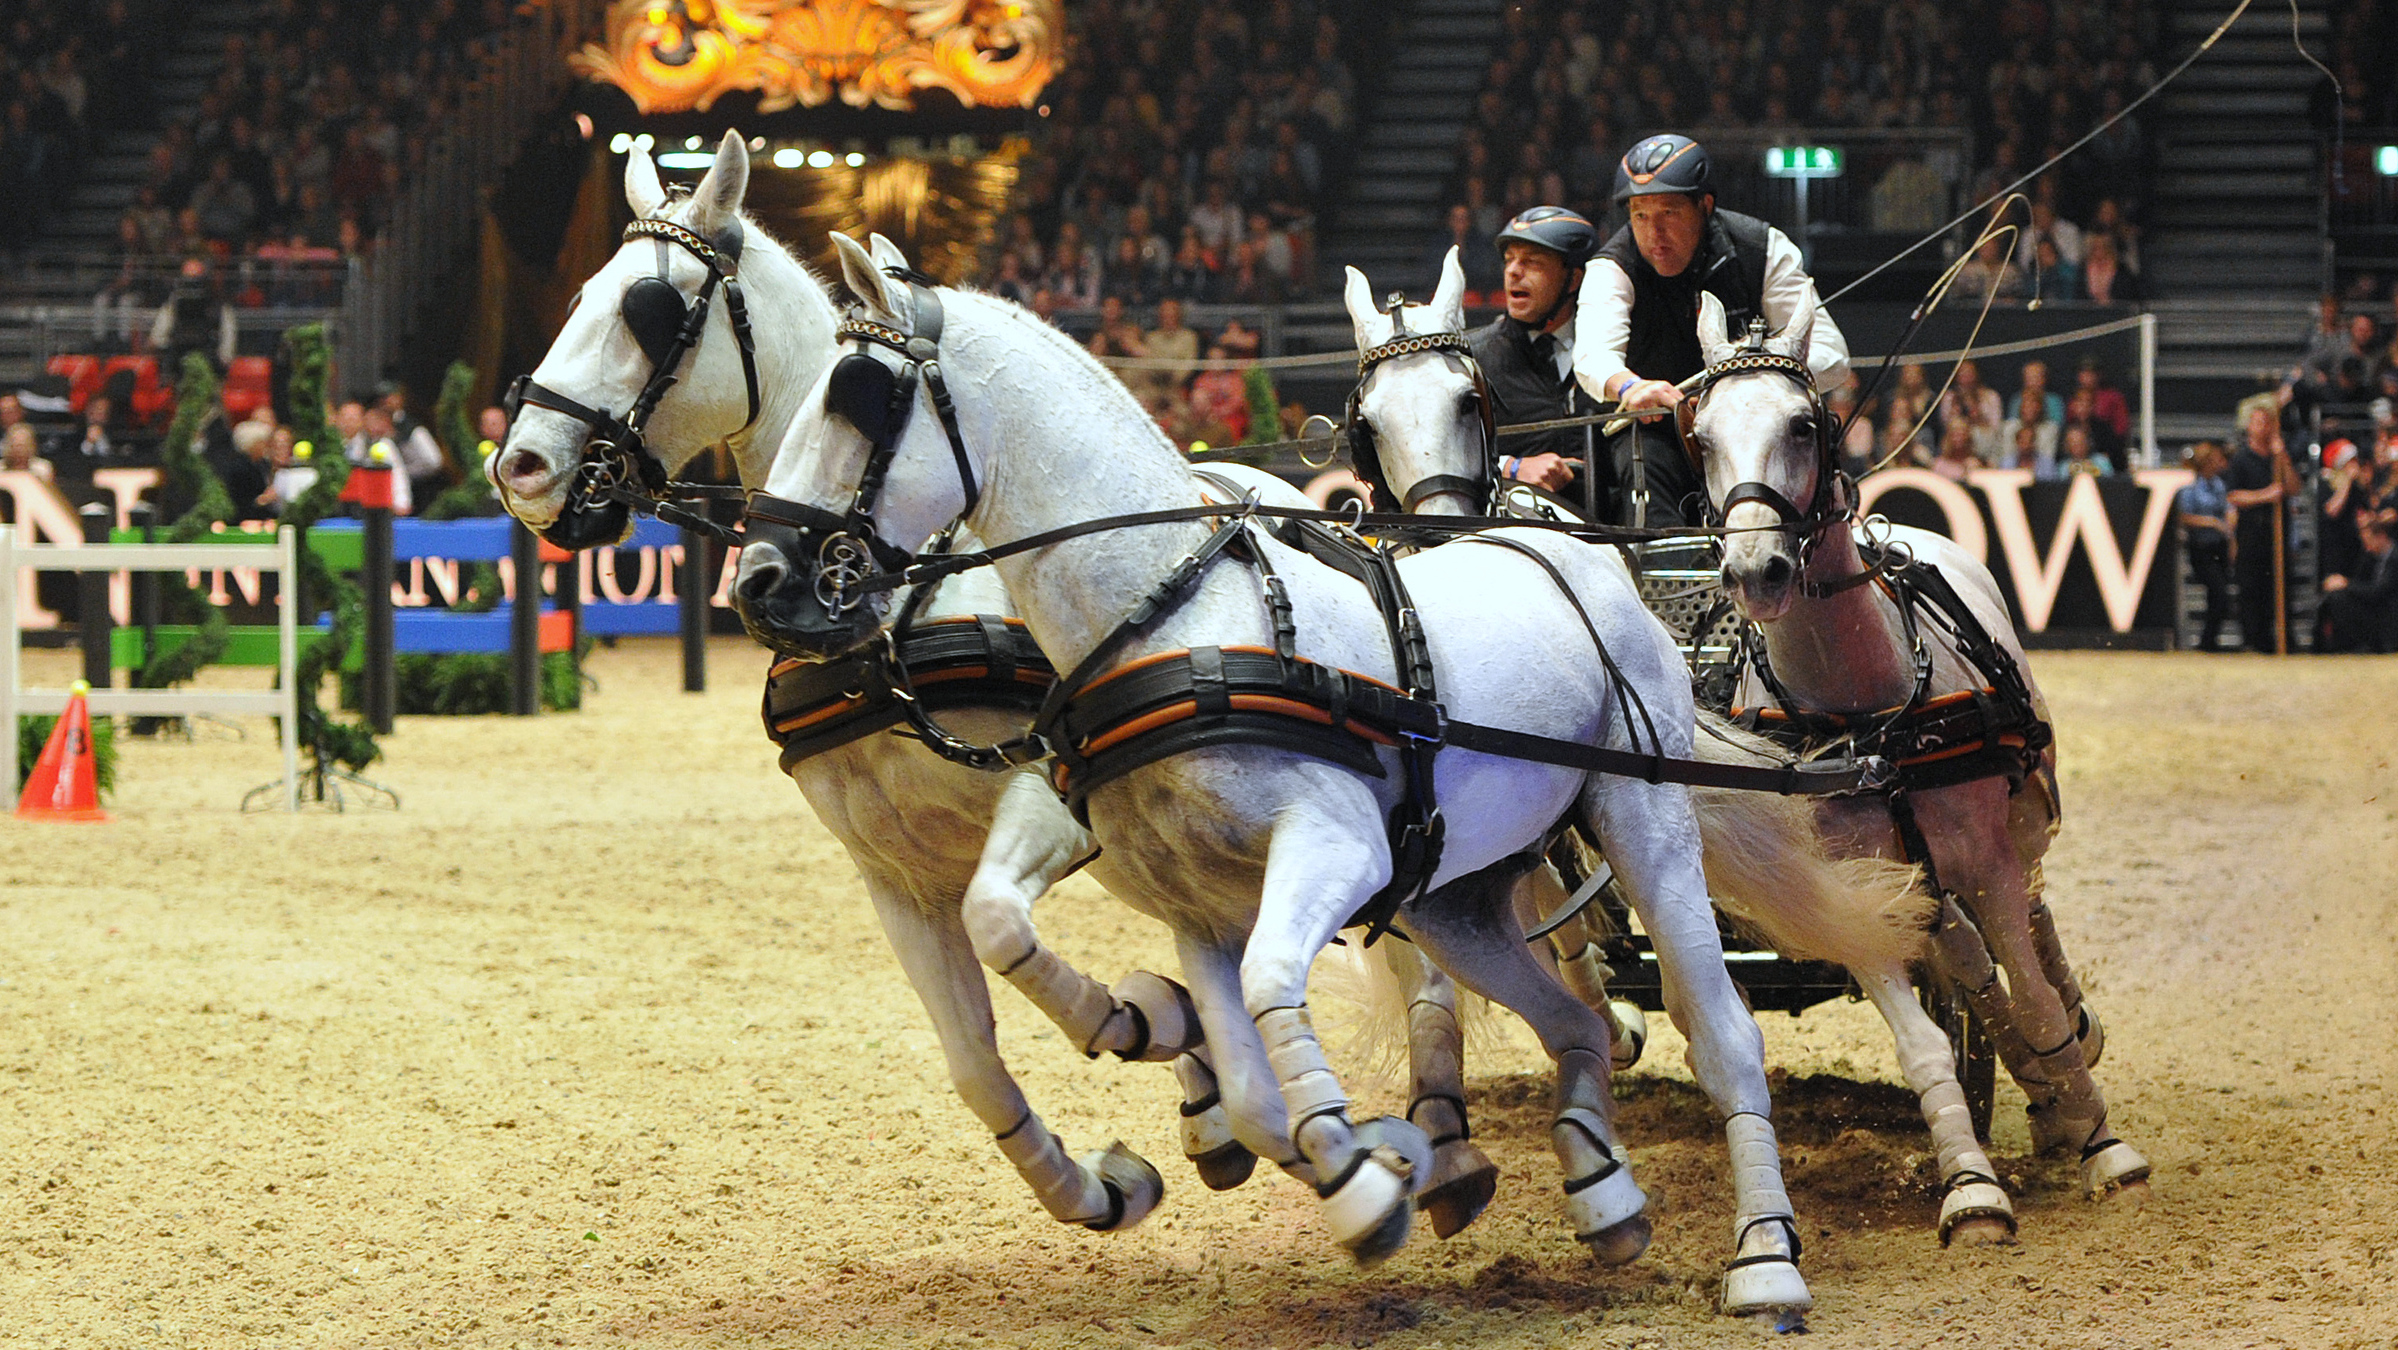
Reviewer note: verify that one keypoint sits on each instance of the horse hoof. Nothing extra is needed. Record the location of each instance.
(1609, 1214)
(1976, 1214)
(1225, 1168)
(2091, 1034)
(1369, 1212)
(1620, 1244)
(1410, 1149)
(1772, 1288)
(1631, 1034)
(2112, 1167)
(1463, 1181)
(1223, 1161)
(1133, 1186)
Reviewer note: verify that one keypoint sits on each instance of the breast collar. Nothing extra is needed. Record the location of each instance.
(1365, 455)
(879, 403)
(617, 463)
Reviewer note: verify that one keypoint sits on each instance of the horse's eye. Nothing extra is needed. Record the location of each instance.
(1802, 427)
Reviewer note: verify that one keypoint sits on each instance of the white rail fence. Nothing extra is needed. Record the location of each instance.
(281, 701)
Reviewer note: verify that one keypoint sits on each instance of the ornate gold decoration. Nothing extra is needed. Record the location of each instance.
(941, 212)
(675, 55)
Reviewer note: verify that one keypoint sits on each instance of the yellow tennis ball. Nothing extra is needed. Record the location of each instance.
(302, 449)
(79, 688)
(1198, 447)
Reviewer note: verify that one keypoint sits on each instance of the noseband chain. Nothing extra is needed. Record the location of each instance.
(1365, 455)
(879, 405)
(617, 463)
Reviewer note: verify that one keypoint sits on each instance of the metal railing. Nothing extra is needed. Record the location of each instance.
(438, 211)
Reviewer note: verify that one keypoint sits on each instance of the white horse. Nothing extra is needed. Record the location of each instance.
(1044, 438)
(1419, 409)
(1837, 643)
(914, 823)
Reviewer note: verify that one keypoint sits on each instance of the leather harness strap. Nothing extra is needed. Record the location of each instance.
(971, 661)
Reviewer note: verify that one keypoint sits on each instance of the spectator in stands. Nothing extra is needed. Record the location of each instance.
(1957, 458)
(2081, 414)
(1171, 340)
(1074, 272)
(1191, 277)
(1907, 416)
(2204, 511)
(291, 474)
(2108, 222)
(96, 444)
(1220, 402)
(226, 206)
(1989, 273)
(2105, 280)
(2028, 440)
(1118, 335)
(2054, 278)
(2078, 456)
(246, 474)
(2359, 613)
(1857, 446)
(1474, 253)
(1978, 407)
(24, 453)
(2035, 381)
(2107, 402)
(2259, 478)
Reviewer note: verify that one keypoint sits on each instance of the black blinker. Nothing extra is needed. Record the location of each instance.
(513, 401)
(859, 390)
(653, 314)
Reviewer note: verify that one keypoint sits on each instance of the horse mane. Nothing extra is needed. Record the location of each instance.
(1077, 356)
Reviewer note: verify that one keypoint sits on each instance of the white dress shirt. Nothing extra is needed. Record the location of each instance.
(1607, 302)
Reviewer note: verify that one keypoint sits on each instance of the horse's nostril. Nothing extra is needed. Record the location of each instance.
(1778, 572)
(525, 466)
(758, 580)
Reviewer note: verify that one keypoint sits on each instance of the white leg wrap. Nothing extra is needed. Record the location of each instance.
(1070, 1192)
(1080, 1005)
(1951, 1121)
(1764, 1274)
(1165, 1008)
(1365, 1203)
(1309, 1089)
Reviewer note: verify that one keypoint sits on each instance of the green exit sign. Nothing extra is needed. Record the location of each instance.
(2386, 160)
(1803, 161)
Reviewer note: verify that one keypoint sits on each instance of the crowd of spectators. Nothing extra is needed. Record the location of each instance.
(1576, 83)
(2082, 427)
(70, 72)
(1186, 150)
(297, 147)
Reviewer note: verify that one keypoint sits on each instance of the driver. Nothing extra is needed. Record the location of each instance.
(1526, 354)
(1639, 314)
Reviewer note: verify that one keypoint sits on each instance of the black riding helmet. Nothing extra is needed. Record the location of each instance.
(1660, 164)
(1554, 228)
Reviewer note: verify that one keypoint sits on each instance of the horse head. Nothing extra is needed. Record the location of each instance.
(630, 340)
(1759, 435)
(867, 472)
(1419, 423)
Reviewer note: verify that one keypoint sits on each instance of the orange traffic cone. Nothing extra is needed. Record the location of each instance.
(65, 784)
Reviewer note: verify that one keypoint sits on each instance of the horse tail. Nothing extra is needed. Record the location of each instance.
(1372, 1029)
(1767, 868)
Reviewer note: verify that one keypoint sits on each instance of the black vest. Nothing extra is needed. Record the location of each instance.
(1730, 264)
(1526, 389)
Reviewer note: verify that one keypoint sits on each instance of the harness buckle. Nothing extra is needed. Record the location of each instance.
(842, 563)
(1029, 748)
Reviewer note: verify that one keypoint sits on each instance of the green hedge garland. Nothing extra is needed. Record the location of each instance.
(33, 734)
(308, 359)
(189, 479)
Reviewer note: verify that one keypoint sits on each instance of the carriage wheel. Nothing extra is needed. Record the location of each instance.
(1969, 1042)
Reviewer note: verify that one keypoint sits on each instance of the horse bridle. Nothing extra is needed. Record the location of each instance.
(1365, 456)
(878, 401)
(1829, 501)
(617, 464)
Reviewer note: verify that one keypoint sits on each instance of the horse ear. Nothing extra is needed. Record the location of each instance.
(718, 197)
(886, 298)
(1448, 299)
(1358, 294)
(1792, 341)
(1714, 347)
(642, 191)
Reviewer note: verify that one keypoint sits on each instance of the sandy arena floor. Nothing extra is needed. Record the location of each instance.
(597, 1042)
